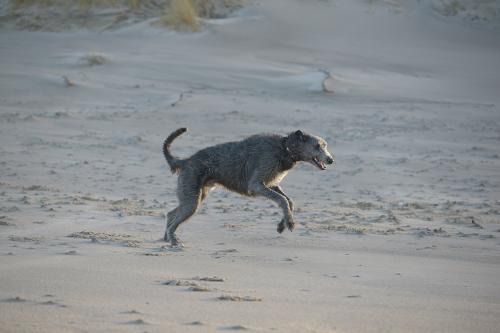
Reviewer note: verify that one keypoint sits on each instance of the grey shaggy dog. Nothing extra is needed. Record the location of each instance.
(253, 167)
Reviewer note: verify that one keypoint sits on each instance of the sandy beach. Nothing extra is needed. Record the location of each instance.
(401, 236)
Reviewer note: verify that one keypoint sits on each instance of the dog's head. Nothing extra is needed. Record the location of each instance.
(309, 148)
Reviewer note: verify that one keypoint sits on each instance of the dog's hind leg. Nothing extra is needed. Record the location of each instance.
(176, 217)
(258, 188)
(189, 192)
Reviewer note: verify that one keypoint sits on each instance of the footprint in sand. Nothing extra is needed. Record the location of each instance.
(221, 253)
(176, 282)
(4, 221)
(131, 312)
(192, 286)
(16, 299)
(239, 298)
(234, 328)
(111, 238)
(191, 283)
(138, 321)
(57, 304)
(209, 279)
(24, 239)
(200, 289)
(155, 254)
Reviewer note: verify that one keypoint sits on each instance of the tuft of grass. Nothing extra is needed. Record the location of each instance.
(134, 4)
(453, 8)
(204, 8)
(93, 60)
(84, 4)
(181, 15)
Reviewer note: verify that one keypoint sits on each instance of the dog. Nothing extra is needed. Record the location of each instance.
(252, 167)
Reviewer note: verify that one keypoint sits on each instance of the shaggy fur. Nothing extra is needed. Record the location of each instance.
(253, 167)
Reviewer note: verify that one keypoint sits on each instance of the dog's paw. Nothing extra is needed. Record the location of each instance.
(174, 241)
(291, 225)
(177, 245)
(281, 226)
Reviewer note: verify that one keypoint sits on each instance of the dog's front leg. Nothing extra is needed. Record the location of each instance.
(282, 225)
(278, 189)
(258, 188)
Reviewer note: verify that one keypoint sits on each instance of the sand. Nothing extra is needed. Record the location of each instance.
(402, 236)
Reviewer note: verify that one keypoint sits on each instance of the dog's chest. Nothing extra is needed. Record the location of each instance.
(279, 172)
(276, 178)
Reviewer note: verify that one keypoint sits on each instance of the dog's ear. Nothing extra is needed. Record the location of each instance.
(299, 136)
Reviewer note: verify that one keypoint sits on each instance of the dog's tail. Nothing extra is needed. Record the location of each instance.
(175, 163)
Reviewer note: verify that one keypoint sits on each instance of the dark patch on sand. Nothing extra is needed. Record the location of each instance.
(239, 298)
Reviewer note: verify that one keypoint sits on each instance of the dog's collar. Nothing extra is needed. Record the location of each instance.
(290, 154)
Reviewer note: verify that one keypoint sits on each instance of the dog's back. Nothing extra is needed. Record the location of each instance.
(232, 164)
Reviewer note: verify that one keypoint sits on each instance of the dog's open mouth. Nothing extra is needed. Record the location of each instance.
(320, 164)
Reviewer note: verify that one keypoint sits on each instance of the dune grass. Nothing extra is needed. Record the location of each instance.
(203, 8)
(84, 4)
(452, 8)
(185, 14)
(181, 15)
